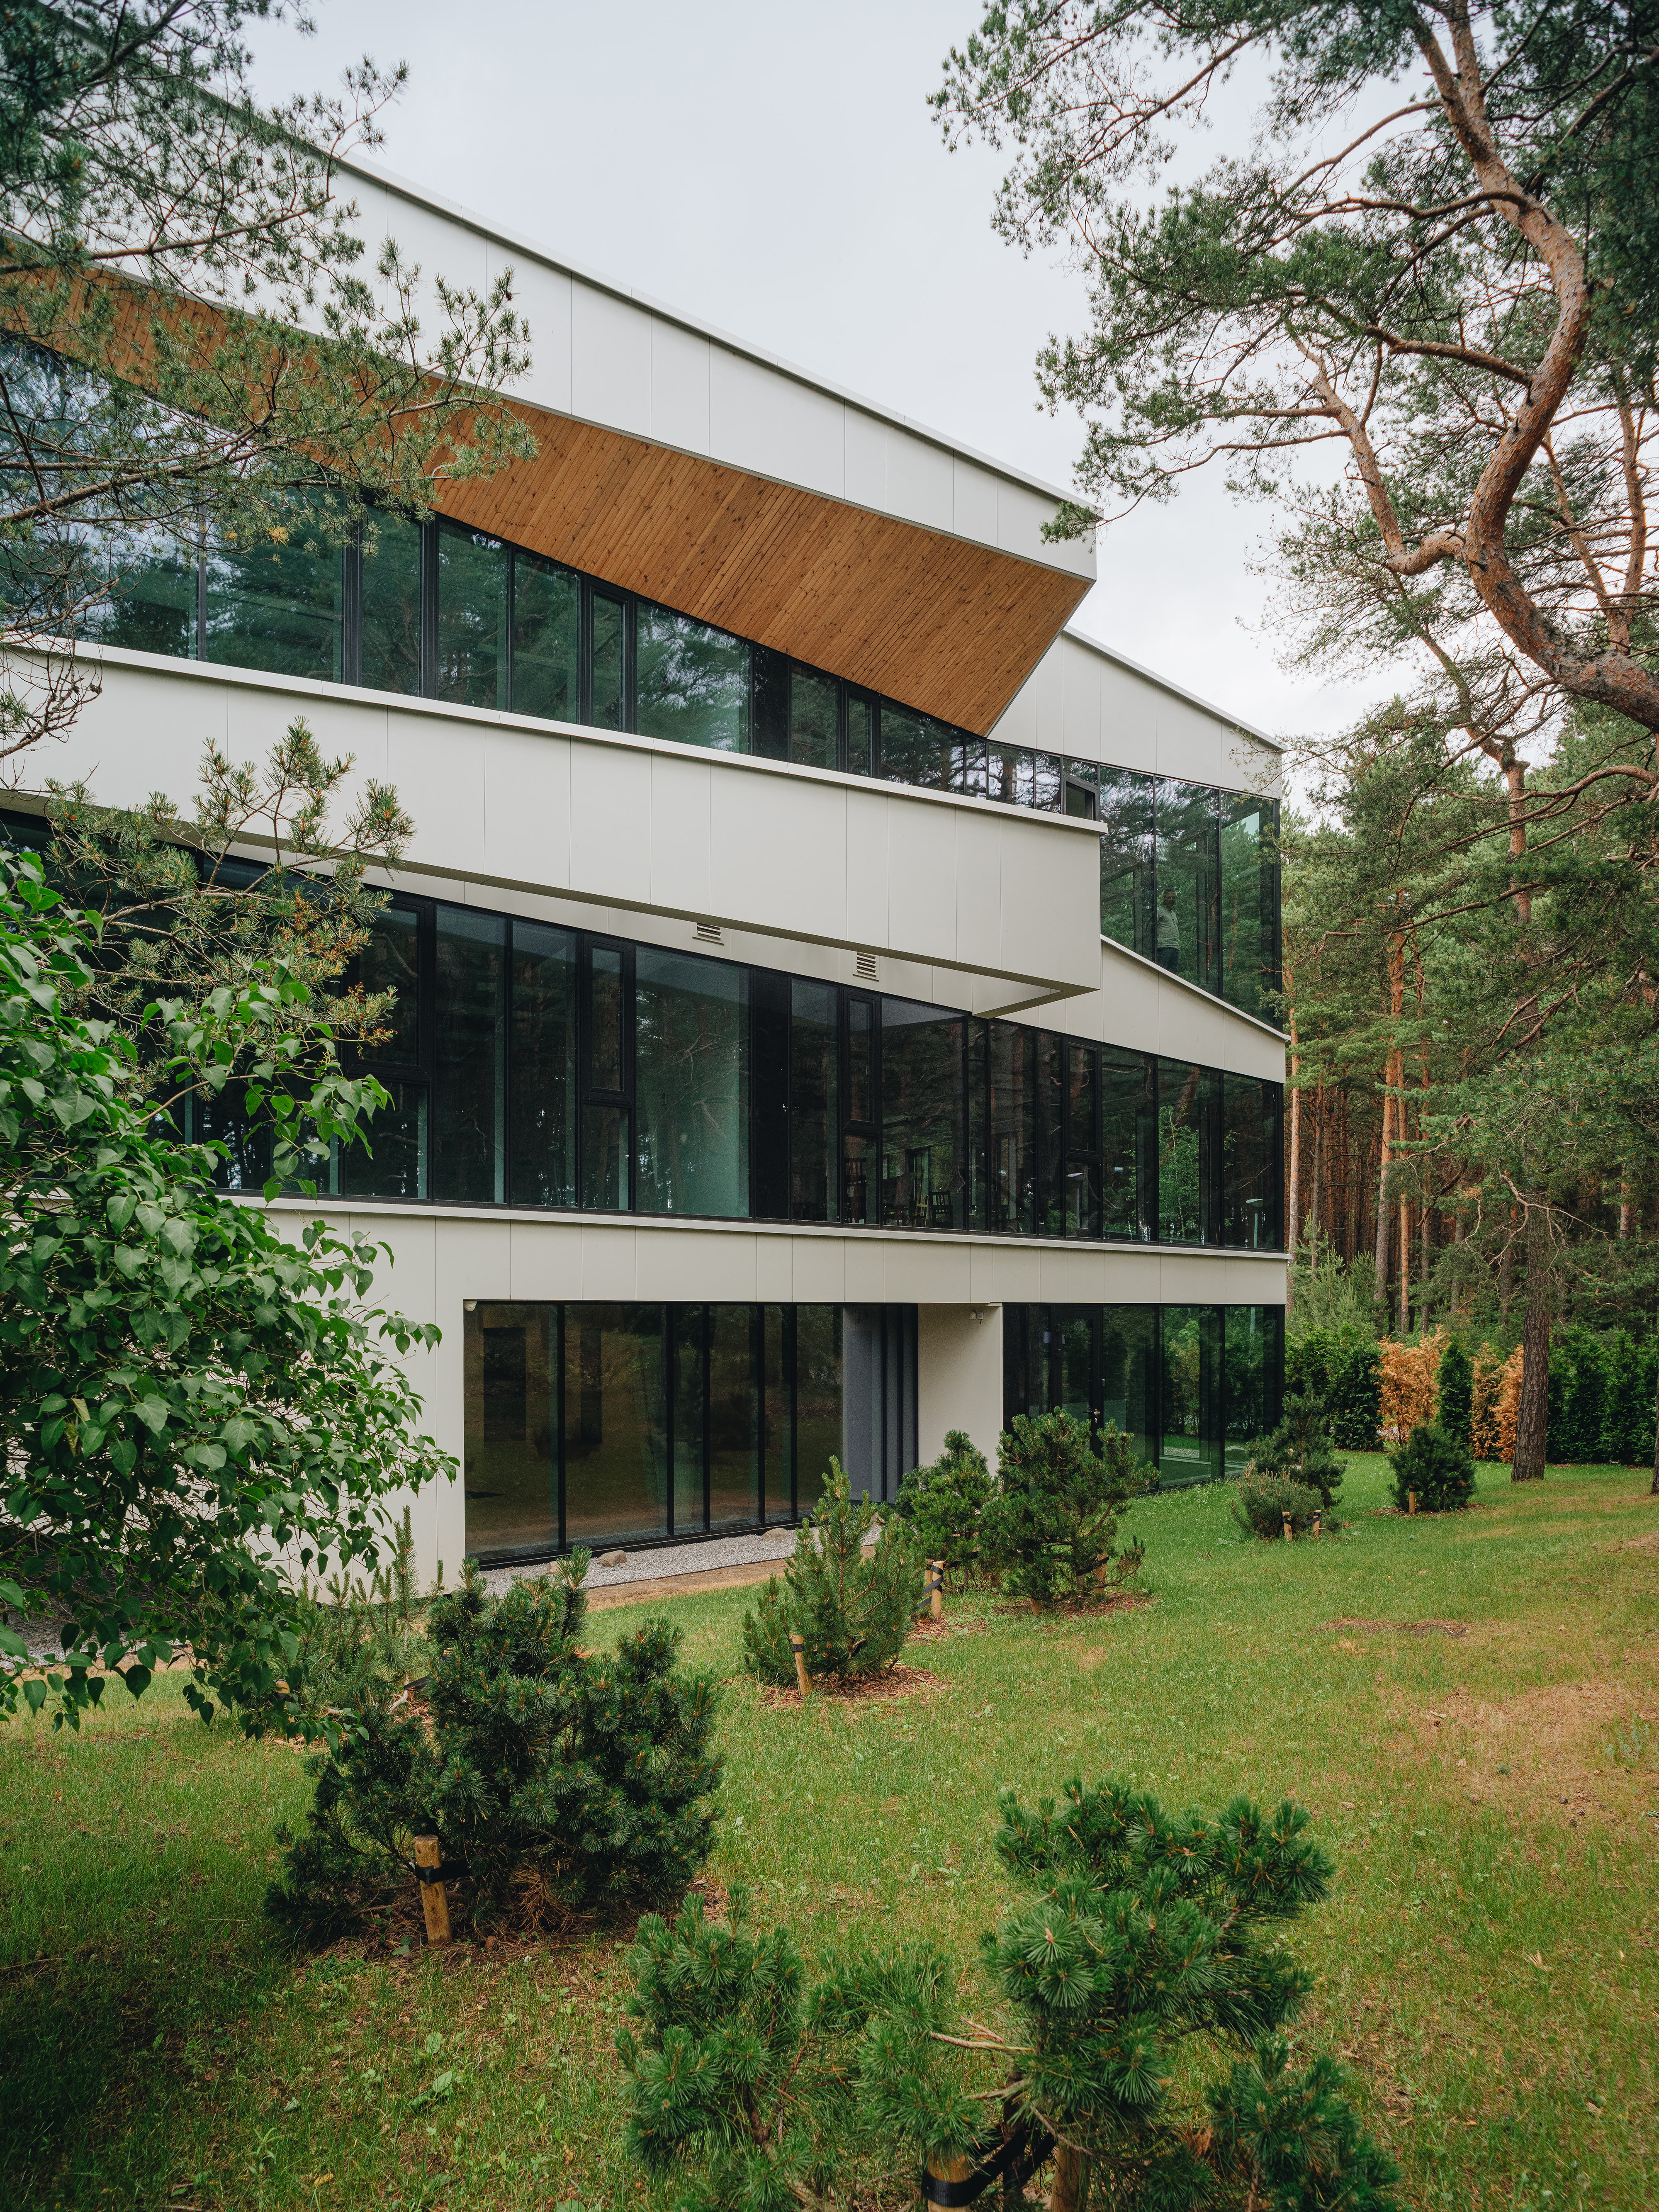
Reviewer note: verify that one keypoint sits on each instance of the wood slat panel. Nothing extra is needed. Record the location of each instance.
(950, 628)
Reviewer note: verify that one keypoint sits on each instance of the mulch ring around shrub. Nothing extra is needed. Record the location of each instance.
(535, 1926)
(899, 1682)
(1400, 1627)
(935, 1631)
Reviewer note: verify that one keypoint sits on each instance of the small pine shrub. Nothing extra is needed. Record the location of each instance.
(945, 1505)
(1051, 1529)
(1300, 1450)
(1439, 1469)
(558, 1783)
(1264, 1499)
(853, 1612)
(1146, 1939)
(354, 1641)
(1456, 1412)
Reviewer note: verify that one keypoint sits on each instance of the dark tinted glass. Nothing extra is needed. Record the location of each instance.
(1184, 926)
(152, 605)
(1249, 1162)
(1051, 1133)
(690, 1416)
(690, 1084)
(860, 1062)
(1128, 1374)
(544, 1078)
(1252, 1362)
(735, 1417)
(393, 1162)
(546, 630)
(1125, 858)
(1183, 1169)
(279, 604)
(1082, 1193)
(814, 1101)
(777, 1427)
(390, 962)
(1190, 1447)
(605, 1157)
(860, 743)
(922, 1071)
(472, 643)
(616, 1475)
(914, 748)
(1011, 1118)
(610, 704)
(392, 606)
(817, 1398)
(1127, 1135)
(1072, 1331)
(469, 1076)
(605, 1033)
(511, 1468)
(691, 682)
(1250, 903)
(814, 720)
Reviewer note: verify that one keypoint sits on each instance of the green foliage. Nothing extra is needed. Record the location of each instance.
(1439, 1468)
(1627, 1433)
(1143, 1933)
(1579, 1378)
(1326, 1294)
(1300, 1449)
(182, 1391)
(853, 1609)
(1264, 1499)
(945, 1505)
(1457, 1391)
(1344, 1368)
(356, 1643)
(1051, 1529)
(558, 1782)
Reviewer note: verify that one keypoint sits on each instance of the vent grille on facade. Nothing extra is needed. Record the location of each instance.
(708, 933)
(864, 966)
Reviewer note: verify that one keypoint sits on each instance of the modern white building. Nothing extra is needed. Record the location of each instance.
(834, 999)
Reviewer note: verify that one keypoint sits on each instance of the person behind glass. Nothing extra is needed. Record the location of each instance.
(1169, 934)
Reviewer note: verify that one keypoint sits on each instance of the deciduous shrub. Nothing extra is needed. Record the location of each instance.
(751, 2087)
(1411, 1384)
(854, 1611)
(1497, 1404)
(1436, 1466)
(1300, 1450)
(1051, 1527)
(1264, 1499)
(945, 1505)
(1457, 1391)
(558, 1783)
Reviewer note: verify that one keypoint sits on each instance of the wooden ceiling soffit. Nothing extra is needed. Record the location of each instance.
(950, 628)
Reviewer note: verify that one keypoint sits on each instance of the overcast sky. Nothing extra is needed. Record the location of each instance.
(772, 168)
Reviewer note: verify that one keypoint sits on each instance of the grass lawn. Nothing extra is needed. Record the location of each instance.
(1487, 1962)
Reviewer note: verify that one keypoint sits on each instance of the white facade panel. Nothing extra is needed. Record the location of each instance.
(684, 369)
(866, 448)
(610, 361)
(774, 427)
(920, 487)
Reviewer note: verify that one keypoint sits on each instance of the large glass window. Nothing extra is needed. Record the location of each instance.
(691, 682)
(1080, 1195)
(1184, 1179)
(1128, 1374)
(861, 734)
(543, 1066)
(473, 641)
(735, 1417)
(546, 639)
(278, 603)
(152, 603)
(392, 605)
(914, 748)
(818, 1400)
(1249, 902)
(691, 1084)
(814, 720)
(1249, 1162)
(922, 1183)
(814, 1101)
(510, 1355)
(469, 1076)
(1184, 924)
(1006, 1082)
(608, 664)
(1126, 900)
(616, 1473)
(1191, 1445)
(607, 1118)
(1129, 1136)
(1253, 1360)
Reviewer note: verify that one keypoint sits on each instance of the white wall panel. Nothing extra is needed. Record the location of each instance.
(974, 502)
(610, 361)
(683, 365)
(864, 482)
(438, 768)
(773, 426)
(529, 841)
(919, 481)
(544, 297)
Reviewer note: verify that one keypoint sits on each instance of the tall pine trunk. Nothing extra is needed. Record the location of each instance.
(1532, 1421)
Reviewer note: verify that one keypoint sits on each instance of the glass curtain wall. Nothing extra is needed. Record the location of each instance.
(1191, 1385)
(605, 1423)
(691, 1086)
(922, 1072)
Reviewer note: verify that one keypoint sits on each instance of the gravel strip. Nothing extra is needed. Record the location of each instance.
(748, 1550)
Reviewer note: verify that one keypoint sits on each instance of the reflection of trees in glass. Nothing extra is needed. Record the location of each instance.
(1188, 881)
(543, 1066)
(510, 1467)
(691, 682)
(1124, 1122)
(277, 600)
(1180, 1149)
(468, 1057)
(921, 1078)
(1249, 952)
(814, 1112)
(546, 610)
(916, 749)
(814, 720)
(691, 1084)
(1249, 1162)
(616, 1475)
(1126, 858)
(817, 1398)
(1183, 1372)
(471, 646)
(392, 606)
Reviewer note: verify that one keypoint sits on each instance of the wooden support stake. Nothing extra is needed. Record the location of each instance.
(429, 1853)
(1286, 1519)
(1411, 1501)
(798, 1645)
(948, 2169)
(1317, 1511)
(936, 1587)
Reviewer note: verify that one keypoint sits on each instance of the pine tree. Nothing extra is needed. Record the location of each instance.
(852, 1611)
(1456, 1392)
(753, 2090)
(1300, 1451)
(1438, 1469)
(945, 1505)
(557, 1781)
(1051, 1527)
(1625, 1423)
